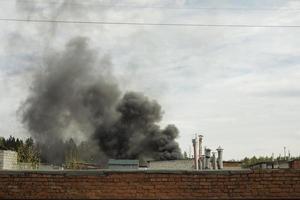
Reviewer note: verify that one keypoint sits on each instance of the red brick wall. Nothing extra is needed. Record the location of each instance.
(266, 184)
(295, 164)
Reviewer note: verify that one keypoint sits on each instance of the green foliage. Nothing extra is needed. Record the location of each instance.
(185, 156)
(10, 144)
(251, 161)
(2, 143)
(28, 153)
(71, 155)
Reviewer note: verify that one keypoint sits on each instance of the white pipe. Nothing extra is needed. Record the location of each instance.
(220, 157)
(200, 153)
(195, 145)
(214, 161)
(207, 158)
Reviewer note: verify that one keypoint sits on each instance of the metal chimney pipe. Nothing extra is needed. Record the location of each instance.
(220, 157)
(201, 162)
(200, 153)
(214, 161)
(195, 146)
(207, 158)
(204, 159)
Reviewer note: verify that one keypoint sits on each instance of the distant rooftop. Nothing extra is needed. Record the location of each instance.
(122, 162)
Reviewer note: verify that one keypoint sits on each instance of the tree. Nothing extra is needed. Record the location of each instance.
(185, 156)
(11, 144)
(28, 153)
(2, 143)
(71, 155)
(247, 162)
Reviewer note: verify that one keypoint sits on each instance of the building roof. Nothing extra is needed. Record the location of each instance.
(184, 164)
(230, 161)
(2, 150)
(296, 159)
(122, 162)
(271, 162)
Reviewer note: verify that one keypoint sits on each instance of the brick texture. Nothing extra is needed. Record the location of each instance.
(263, 184)
(295, 164)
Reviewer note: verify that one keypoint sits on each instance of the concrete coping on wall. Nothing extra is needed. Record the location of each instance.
(109, 171)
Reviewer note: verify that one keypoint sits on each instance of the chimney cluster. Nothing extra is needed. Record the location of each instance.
(206, 161)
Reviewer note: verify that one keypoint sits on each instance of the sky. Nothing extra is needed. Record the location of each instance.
(237, 86)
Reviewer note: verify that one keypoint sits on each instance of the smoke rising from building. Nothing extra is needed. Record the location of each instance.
(75, 96)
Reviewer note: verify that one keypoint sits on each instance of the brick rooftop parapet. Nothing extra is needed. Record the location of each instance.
(151, 184)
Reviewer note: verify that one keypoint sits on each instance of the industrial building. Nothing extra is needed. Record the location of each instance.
(232, 165)
(207, 161)
(281, 164)
(123, 164)
(188, 164)
(8, 160)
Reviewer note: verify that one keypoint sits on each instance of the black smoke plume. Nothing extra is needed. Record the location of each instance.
(75, 96)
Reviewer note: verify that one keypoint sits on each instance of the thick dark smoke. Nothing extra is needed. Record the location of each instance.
(135, 133)
(75, 96)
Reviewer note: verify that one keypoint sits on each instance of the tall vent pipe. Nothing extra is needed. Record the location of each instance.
(200, 153)
(214, 161)
(220, 157)
(195, 145)
(207, 158)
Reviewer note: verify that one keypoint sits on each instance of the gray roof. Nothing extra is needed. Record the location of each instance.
(271, 162)
(186, 164)
(123, 162)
